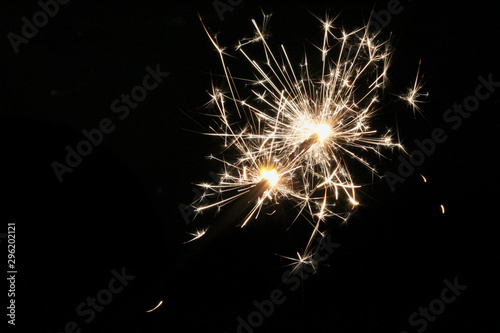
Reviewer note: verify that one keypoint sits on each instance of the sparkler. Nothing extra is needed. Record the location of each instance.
(296, 135)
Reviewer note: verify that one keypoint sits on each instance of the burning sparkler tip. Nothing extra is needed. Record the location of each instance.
(295, 134)
(270, 175)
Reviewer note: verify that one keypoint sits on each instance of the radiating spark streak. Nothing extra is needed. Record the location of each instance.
(300, 261)
(303, 133)
(414, 94)
(197, 234)
(156, 307)
(425, 179)
(442, 209)
(320, 218)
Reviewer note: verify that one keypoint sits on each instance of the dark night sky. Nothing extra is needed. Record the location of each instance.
(119, 207)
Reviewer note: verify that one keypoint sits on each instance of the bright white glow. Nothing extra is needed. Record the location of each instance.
(323, 131)
(270, 175)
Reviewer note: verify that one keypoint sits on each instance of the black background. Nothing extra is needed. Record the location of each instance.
(119, 208)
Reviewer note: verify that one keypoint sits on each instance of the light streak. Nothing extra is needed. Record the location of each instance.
(156, 307)
(197, 234)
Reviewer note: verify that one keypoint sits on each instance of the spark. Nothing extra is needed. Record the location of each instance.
(156, 307)
(301, 261)
(302, 132)
(425, 179)
(442, 209)
(414, 97)
(197, 234)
